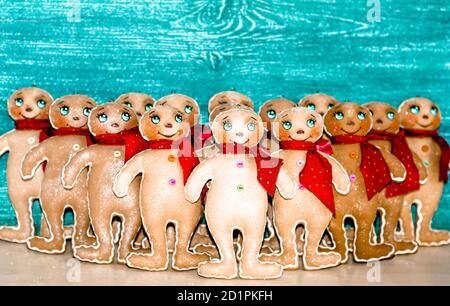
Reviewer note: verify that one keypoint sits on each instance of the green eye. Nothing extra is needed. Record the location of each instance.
(155, 119)
(41, 104)
(64, 110)
(251, 126)
(311, 123)
(87, 111)
(287, 125)
(271, 114)
(188, 109)
(126, 103)
(339, 115)
(102, 118)
(19, 102)
(390, 115)
(361, 116)
(434, 111)
(126, 116)
(311, 107)
(148, 107)
(330, 106)
(227, 126)
(414, 109)
(178, 118)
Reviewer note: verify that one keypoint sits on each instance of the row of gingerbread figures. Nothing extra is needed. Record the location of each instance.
(140, 174)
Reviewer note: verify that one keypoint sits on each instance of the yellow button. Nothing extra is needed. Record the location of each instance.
(172, 158)
(425, 148)
(353, 155)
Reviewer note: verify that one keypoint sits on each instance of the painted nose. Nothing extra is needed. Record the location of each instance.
(239, 134)
(115, 125)
(425, 117)
(76, 118)
(321, 113)
(379, 121)
(29, 109)
(139, 114)
(351, 123)
(168, 125)
(300, 131)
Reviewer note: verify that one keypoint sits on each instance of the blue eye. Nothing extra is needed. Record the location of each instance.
(19, 102)
(41, 104)
(311, 107)
(390, 115)
(414, 109)
(188, 109)
(251, 126)
(287, 125)
(87, 111)
(434, 111)
(126, 103)
(148, 107)
(330, 106)
(271, 114)
(227, 126)
(64, 110)
(311, 123)
(178, 118)
(361, 116)
(339, 115)
(155, 119)
(126, 116)
(102, 118)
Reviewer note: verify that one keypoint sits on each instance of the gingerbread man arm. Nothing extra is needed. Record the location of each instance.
(341, 180)
(75, 166)
(398, 171)
(34, 158)
(286, 184)
(4, 145)
(423, 173)
(127, 174)
(198, 178)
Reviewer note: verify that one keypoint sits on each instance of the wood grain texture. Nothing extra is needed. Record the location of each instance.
(199, 47)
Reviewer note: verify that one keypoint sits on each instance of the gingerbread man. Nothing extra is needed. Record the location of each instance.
(228, 97)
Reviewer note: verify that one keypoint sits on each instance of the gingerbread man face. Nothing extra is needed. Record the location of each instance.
(164, 122)
(240, 126)
(300, 124)
(385, 118)
(420, 114)
(139, 102)
(29, 103)
(184, 104)
(270, 109)
(320, 103)
(229, 97)
(111, 118)
(348, 119)
(71, 111)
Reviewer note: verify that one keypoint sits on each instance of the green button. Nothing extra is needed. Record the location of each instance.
(426, 163)
(240, 187)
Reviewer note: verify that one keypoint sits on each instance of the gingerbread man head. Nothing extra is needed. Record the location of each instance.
(319, 102)
(139, 102)
(298, 124)
(238, 125)
(419, 114)
(29, 103)
(71, 111)
(111, 118)
(184, 104)
(270, 109)
(348, 119)
(229, 97)
(385, 118)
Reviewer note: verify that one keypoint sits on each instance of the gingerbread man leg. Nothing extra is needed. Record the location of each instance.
(131, 224)
(406, 222)
(82, 224)
(337, 233)
(22, 206)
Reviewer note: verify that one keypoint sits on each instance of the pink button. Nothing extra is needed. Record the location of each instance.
(352, 178)
(301, 187)
(240, 164)
(172, 182)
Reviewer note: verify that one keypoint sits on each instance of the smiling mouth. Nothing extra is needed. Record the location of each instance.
(248, 139)
(26, 117)
(350, 132)
(299, 139)
(167, 136)
(424, 126)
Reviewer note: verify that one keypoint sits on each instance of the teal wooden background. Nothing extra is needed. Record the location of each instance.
(199, 47)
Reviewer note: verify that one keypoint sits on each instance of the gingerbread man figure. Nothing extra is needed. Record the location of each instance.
(229, 97)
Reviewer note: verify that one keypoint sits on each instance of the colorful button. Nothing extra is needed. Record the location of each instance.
(76, 147)
(353, 155)
(352, 178)
(240, 164)
(171, 158)
(117, 154)
(301, 187)
(426, 163)
(31, 140)
(240, 187)
(172, 182)
(425, 148)
(300, 163)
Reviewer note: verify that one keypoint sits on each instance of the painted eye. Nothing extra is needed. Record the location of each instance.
(148, 107)
(188, 109)
(102, 118)
(87, 111)
(415, 109)
(64, 110)
(126, 103)
(178, 118)
(311, 123)
(330, 106)
(222, 102)
(126, 116)
(156, 119)
(251, 126)
(434, 111)
(311, 107)
(271, 114)
(19, 102)
(390, 115)
(227, 126)
(361, 116)
(339, 115)
(41, 104)
(287, 125)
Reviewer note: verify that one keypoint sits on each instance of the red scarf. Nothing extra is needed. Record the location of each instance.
(200, 134)
(324, 146)
(373, 167)
(401, 150)
(42, 125)
(315, 165)
(443, 145)
(186, 157)
(69, 131)
(267, 166)
(131, 139)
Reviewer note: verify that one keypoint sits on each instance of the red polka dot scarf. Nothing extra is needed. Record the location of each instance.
(68, 131)
(317, 175)
(373, 167)
(267, 167)
(131, 139)
(42, 125)
(443, 145)
(401, 150)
